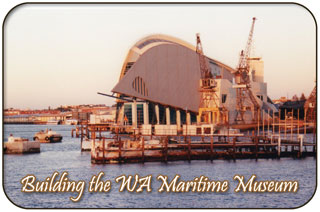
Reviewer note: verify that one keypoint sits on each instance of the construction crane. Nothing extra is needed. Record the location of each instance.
(209, 108)
(245, 98)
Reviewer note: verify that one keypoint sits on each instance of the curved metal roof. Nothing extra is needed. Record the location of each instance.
(154, 40)
(159, 39)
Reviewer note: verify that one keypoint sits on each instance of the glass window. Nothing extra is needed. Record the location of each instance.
(224, 98)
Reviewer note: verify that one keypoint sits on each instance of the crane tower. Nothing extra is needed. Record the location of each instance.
(209, 111)
(245, 98)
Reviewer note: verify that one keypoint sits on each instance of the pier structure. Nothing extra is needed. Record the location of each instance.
(168, 148)
(274, 138)
(21, 146)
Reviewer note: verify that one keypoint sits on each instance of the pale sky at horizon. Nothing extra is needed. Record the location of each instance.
(64, 54)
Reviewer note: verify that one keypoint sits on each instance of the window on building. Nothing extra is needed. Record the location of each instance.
(173, 116)
(207, 130)
(193, 117)
(152, 114)
(128, 66)
(139, 86)
(128, 114)
(162, 114)
(224, 98)
(140, 114)
(260, 97)
(183, 116)
(199, 131)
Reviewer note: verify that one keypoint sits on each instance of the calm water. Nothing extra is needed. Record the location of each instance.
(66, 156)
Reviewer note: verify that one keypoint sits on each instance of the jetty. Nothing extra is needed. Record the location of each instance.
(21, 146)
(267, 141)
(271, 138)
(168, 148)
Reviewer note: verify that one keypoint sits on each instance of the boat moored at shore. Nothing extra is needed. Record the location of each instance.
(47, 136)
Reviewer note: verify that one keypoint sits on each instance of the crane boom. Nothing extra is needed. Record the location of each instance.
(242, 78)
(208, 107)
(249, 42)
(204, 68)
(243, 65)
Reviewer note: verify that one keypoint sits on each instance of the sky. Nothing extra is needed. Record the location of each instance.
(64, 54)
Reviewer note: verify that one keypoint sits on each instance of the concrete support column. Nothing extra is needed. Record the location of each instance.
(210, 117)
(188, 118)
(167, 115)
(121, 115)
(157, 113)
(178, 119)
(213, 117)
(134, 114)
(146, 113)
(198, 118)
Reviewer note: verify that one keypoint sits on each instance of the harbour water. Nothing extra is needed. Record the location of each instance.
(66, 156)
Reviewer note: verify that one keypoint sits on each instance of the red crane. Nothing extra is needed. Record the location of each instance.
(209, 107)
(245, 98)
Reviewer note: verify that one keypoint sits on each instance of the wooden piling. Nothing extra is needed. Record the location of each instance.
(291, 126)
(279, 146)
(94, 147)
(285, 123)
(120, 143)
(234, 148)
(279, 123)
(228, 134)
(142, 149)
(189, 149)
(166, 149)
(273, 123)
(258, 126)
(256, 148)
(301, 145)
(211, 148)
(103, 150)
(87, 131)
(81, 138)
(314, 126)
(298, 125)
(305, 123)
(268, 122)
(263, 134)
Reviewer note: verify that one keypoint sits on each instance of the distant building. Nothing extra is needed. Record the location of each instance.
(281, 100)
(36, 118)
(11, 112)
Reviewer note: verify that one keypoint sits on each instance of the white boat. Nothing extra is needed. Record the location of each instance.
(53, 122)
(71, 122)
(47, 137)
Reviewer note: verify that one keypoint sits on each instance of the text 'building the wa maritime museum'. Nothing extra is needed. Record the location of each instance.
(159, 85)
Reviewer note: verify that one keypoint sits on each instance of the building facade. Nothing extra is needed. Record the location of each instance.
(159, 85)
